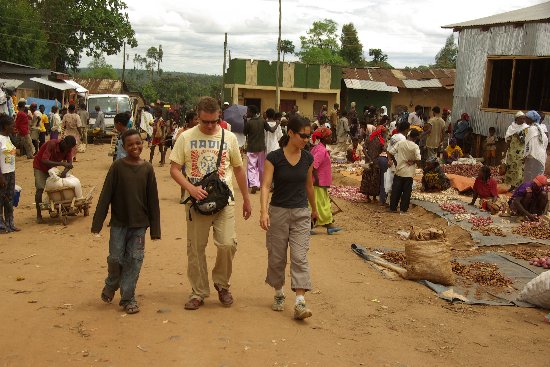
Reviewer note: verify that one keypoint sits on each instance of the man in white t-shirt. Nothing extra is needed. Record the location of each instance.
(272, 138)
(407, 156)
(7, 175)
(197, 149)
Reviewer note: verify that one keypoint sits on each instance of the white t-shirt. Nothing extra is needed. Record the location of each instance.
(272, 139)
(198, 152)
(7, 154)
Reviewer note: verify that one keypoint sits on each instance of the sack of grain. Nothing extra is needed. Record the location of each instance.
(537, 291)
(429, 260)
(426, 234)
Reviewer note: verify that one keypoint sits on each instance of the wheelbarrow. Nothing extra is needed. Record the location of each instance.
(63, 203)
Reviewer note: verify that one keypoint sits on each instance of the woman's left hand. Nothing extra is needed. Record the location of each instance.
(314, 216)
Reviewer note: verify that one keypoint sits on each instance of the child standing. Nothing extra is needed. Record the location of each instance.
(491, 148)
(130, 189)
(7, 175)
(121, 125)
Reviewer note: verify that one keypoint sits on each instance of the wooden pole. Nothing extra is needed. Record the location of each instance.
(277, 90)
(123, 62)
(224, 65)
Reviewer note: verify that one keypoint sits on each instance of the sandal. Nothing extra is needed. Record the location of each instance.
(131, 307)
(105, 298)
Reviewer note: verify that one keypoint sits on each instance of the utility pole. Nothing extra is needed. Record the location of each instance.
(123, 62)
(277, 91)
(224, 65)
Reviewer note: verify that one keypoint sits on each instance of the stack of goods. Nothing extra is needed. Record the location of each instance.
(349, 193)
(536, 230)
(543, 262)
(483, 225)
(395, 257)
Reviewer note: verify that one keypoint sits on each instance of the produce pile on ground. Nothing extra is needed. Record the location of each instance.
(461, 217)
(396, 257)
(469, 170)
(453, 208)
(350, 193)
(437, 198)
(488, 230)
(529, 254)
(537, 230)
(543, 262)
(480, 221)
(481, 273)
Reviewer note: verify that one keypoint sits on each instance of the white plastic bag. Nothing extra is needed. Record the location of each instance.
(388, 180)
(54, 181)
(537, 291)
(72, 181)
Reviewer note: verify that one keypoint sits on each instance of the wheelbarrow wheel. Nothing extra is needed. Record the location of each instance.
(64, 220)
(86, 210)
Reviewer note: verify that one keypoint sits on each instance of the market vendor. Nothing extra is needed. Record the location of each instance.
(530, 198)
(485, 188)
(453, 152)
(355, 153)
(434, 179)
(54, 153)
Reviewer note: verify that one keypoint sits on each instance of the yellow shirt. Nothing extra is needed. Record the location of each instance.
(43, 122)
(450, 150)
(198, 153)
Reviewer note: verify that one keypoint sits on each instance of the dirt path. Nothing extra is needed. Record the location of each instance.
(54, 317)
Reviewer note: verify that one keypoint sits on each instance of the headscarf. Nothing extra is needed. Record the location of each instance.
(378, 134)
(540, 180)
(385, 111)
(519, 114)
(465, 116)
(320, 134)
(534, 116)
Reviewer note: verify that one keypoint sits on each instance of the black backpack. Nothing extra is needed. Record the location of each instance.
(218, 191)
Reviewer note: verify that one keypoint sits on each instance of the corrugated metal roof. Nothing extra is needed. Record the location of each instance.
(397, 77)
(369, 85)
(418, 84)
(57, 84)
(535, 13)
(101, 86)
(10, 83)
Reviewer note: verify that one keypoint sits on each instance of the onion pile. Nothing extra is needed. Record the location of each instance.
(461, 217)
(469, 170)
(488, 230)
(479, 221)
(541, 262)
(528, 254)
(349, 193)
(537, 230)
(453, 208)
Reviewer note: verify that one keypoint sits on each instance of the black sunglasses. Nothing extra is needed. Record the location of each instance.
(304, 135)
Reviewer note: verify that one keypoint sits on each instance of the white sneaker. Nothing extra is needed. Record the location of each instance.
(301, 311)
(278, 303)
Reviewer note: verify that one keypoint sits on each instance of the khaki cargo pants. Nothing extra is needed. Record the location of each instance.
(198, 231)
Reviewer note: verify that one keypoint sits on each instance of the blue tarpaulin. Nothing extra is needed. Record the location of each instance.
(48, 103)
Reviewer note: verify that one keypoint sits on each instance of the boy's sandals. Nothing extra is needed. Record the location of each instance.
(131, 307)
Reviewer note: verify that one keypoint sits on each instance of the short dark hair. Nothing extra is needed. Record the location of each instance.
(82, 106)
(122, 118)
(127, 133)
(21, 104)
(70, 141)
(344, 113)
(5, 120)
(403, 126)
(42, 106)
(277, 115)
(270, 113)
(252, 109)
(492, 128)
(418, 107)
(97, 108)
(72, 107)
(147, 108)
(436, 109)
(414, 133)
(55, 109)
(189, 116)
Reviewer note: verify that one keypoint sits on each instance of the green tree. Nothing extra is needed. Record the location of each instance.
(155, 54)
(446, 57)
(23, 42)
(87, 26)
(287, 47)
(320, 46)
(99, 69)
(379, 59)
(352, 49)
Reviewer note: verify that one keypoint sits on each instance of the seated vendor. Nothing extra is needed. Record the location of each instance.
(485, 188)
(434, 179)
(355, 153)
(453, 152)
(530, 198)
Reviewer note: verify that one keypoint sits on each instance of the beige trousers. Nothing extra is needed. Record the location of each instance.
(198, 231)
(288, 228)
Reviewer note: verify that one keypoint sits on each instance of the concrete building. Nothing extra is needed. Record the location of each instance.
(252, 82)
(503, 66)
(397, 89)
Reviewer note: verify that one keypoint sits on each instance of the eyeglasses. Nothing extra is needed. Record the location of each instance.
(214, 122)
(304, 136)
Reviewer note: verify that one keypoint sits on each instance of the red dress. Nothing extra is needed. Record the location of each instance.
(158, 135)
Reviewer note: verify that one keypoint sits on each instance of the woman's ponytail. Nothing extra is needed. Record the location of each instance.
(284, 140)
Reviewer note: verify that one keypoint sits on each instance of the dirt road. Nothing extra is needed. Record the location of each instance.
(52, 315)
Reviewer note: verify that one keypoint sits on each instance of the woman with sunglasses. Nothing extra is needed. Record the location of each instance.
(288, 219)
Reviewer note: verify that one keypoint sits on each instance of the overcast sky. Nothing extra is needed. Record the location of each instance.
(192, 32)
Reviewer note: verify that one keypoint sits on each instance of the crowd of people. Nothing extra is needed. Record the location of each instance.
(288, 157)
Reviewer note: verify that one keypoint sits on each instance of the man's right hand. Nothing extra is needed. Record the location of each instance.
(198, 193)
(67, 165)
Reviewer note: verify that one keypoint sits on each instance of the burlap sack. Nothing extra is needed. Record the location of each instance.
(426, 234)
(429, 260)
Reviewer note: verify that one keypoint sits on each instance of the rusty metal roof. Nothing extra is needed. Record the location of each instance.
(535, 13)
(404, 79)
(101, 86)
